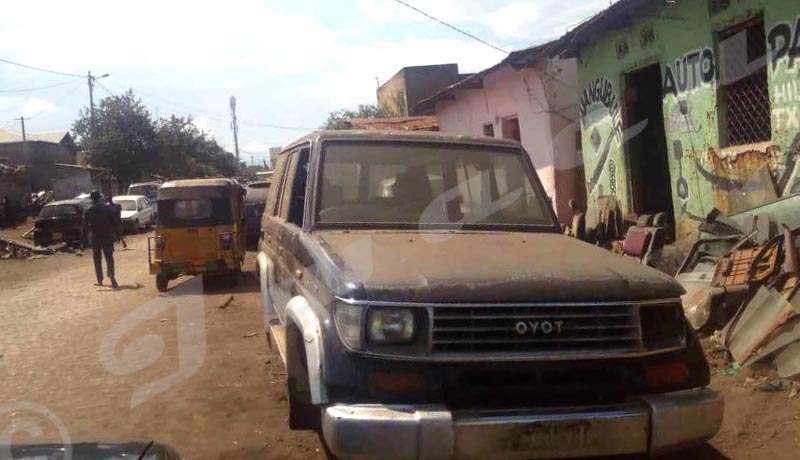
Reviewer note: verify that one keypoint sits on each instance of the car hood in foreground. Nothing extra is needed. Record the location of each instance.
(89, 451)
(429, 266)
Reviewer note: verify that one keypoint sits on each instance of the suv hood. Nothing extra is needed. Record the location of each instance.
(441, 266)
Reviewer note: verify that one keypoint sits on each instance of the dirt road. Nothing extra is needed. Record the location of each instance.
(131, 364)
(56, 324)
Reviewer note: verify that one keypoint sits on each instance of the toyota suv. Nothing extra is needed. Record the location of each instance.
(426, 305)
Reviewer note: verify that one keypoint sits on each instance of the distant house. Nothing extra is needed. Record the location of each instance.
(69, 181)
(40, 151)
(401, 93)
(531, 97)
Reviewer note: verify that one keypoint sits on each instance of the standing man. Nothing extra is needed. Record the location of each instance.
(100, 220)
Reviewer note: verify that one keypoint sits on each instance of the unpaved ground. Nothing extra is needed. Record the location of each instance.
(55, 331)
(53, 323)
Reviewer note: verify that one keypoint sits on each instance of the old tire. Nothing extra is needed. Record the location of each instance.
(303, 415)
(161, 282)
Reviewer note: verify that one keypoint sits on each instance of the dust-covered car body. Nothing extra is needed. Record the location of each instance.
(59, 221)
(89, 451)
(449, 318)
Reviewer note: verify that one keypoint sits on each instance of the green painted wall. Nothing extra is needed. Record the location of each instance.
(703, 173)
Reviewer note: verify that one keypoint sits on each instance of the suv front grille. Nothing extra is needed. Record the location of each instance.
(537, 329)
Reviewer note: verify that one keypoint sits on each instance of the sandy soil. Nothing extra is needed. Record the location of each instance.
(56, 370)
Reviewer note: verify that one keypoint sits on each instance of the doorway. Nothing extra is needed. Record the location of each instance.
(648, 162)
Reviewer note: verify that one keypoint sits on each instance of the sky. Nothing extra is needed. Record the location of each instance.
(289, 63)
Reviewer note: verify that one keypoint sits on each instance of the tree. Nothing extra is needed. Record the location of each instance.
(127, 141)
(184, 151)
(122, 138)
(340, 118)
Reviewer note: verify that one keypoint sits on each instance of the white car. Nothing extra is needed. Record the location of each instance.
(137, 212)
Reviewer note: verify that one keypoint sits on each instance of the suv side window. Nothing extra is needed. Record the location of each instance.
(298, 196)
(294, 189)
(278, 179)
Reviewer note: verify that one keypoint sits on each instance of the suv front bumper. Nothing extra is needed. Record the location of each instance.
(652, 424)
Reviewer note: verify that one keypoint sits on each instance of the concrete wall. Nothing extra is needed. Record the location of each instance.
(392, 95)
(704, 172)
(38, 153)
(71, 186)
(401, 93)
(546, 110)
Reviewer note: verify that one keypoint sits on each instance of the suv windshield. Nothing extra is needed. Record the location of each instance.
(58, 210)
(428, 185)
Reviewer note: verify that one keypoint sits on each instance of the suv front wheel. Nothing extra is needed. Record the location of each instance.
(303, 415)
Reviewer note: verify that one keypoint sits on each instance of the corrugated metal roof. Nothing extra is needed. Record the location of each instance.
(54, 137)
(425, 123)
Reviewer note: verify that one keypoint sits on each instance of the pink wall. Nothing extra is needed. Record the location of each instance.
(545, 111)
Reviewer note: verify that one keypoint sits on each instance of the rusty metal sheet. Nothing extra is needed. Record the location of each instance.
(765, 312)
(733, 269)
(787, 361)
(783, 336)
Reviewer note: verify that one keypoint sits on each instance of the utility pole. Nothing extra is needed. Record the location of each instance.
(24, 139)
(90, 79)
(235, 128)
(22, 122)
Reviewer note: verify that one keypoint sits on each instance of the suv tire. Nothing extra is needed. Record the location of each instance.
(302, 414)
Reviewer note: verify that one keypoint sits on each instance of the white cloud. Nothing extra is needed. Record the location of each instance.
(203, 124)
(513, 21)
(256, 146)
(26, 107)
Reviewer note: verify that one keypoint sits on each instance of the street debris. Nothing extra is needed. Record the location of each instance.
(18, 249)
(226, 303)
(252, 334)
(742, 278)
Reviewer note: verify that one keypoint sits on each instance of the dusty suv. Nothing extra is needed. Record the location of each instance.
(426, 305)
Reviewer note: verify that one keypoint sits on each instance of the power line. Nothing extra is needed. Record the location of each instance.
(221, 118)
(27, 90)
(41, 69)
(106, 89)
(462, 32)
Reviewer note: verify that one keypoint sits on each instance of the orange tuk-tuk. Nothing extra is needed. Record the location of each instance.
(200, 230)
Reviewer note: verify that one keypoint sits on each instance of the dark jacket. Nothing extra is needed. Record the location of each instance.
(101, 221)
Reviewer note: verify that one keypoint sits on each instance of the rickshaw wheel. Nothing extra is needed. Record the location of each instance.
(161, 282)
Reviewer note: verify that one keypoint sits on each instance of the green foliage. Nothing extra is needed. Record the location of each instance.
(122, 139)
(133, 146)
(340, 118)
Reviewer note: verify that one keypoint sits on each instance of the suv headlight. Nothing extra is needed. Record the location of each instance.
(349, 323)
(390, 325)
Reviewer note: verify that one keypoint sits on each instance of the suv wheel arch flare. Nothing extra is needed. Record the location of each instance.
(300, 313)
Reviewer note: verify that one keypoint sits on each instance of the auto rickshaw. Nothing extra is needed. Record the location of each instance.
(200, 230)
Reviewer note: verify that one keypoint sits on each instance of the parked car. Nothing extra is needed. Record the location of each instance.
(137, 212)
(59, 221)
(254, 202)
(451, 318)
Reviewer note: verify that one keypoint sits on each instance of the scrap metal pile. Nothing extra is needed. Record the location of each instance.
(742, 279)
